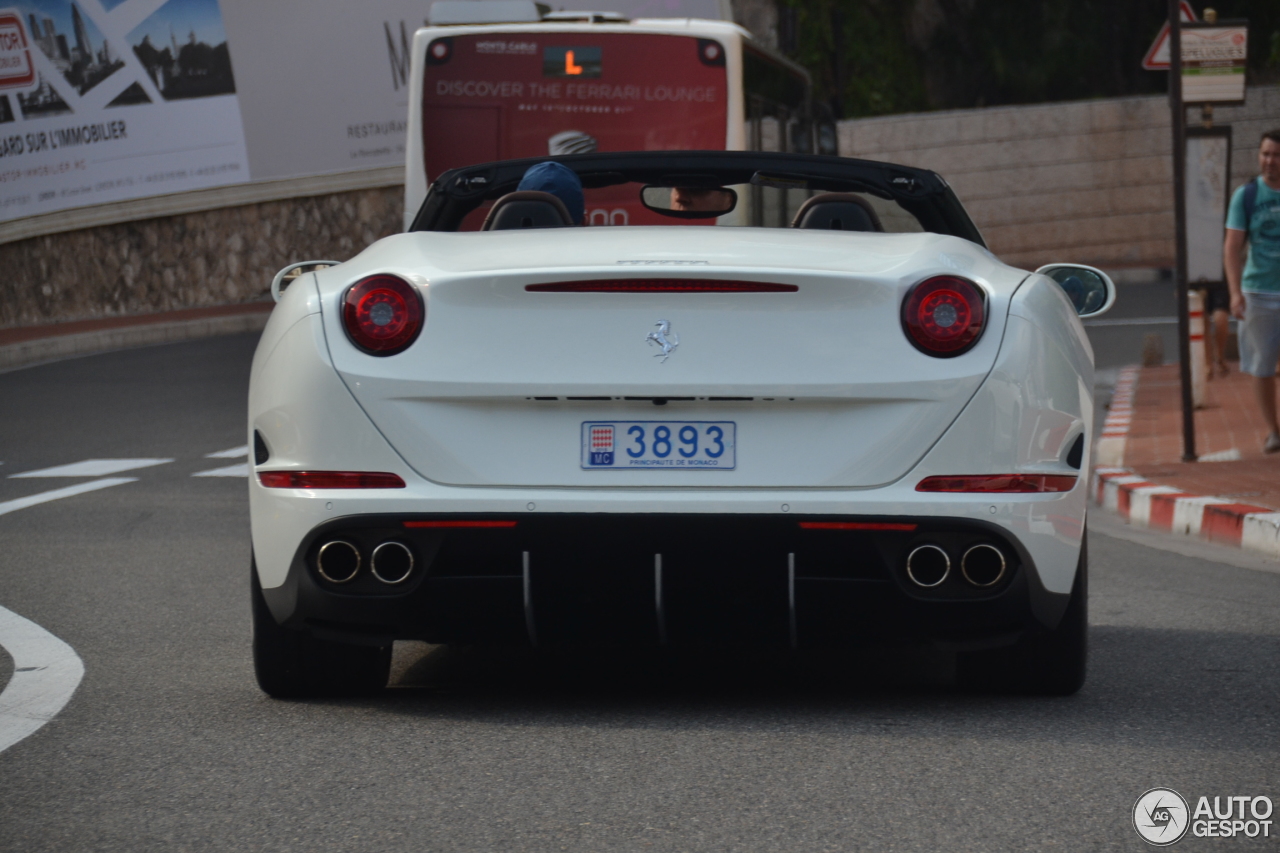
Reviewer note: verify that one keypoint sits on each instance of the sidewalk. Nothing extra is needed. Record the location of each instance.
(1231, 495)
(28, 345)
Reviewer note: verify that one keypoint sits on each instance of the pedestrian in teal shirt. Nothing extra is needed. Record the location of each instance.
(1252, 260)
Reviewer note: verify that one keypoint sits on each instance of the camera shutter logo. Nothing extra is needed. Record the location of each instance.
(1161, 817)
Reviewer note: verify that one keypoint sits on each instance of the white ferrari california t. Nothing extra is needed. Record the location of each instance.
(855, 427)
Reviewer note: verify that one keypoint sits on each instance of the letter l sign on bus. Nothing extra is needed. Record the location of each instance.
(16, 69)
(1157, 58)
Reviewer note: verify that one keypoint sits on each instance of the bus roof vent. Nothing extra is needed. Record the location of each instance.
(586, 18)
(446, 12)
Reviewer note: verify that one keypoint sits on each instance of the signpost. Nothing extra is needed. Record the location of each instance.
(16, 70)
(1206, 63)
(1180, 220)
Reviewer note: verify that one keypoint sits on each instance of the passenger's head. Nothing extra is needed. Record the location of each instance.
(561, 181)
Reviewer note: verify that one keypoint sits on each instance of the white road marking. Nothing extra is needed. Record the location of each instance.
(1232, 455)
(57, 494)
(233, 453)
(241, 470)
(46, 672)
(91, 468)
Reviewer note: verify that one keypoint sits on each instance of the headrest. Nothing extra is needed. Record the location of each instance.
(837, 212)
(526, 209)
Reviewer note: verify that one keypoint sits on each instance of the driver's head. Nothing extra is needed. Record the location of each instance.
(561, 181)
(696, 198)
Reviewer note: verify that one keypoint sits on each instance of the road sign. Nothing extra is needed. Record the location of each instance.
(16, 70)
(1213, 62)
(1157, 58)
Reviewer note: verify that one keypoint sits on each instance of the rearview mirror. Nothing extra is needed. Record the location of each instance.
(1091, 291)
(689, 202)
(286, 276)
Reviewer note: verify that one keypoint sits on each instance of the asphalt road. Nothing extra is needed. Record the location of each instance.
(169, 746)
(1149, 308)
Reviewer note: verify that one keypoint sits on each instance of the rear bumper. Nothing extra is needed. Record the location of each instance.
(651, 579)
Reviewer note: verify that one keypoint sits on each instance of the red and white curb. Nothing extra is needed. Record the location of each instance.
(1167, 508)
(1115, 430)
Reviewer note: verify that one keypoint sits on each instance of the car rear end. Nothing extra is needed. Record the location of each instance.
(793, 439)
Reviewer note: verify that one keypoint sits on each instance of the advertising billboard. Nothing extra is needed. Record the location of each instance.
(105, 101)
(501, 96)
(128, 98)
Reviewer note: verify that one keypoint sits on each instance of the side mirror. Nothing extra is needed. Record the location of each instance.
(289, 274)
(689, 202)
(1090, 290)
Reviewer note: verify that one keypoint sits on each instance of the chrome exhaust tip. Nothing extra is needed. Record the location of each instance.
(983, 565)
(338, 561)
(392, 562)
(928, 566)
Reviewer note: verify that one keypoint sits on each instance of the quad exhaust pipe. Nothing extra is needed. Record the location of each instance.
(983, 565)
(928, 566)
(392, 562)
(339, 561)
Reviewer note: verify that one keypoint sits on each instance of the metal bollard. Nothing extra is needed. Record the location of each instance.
(1195, 313)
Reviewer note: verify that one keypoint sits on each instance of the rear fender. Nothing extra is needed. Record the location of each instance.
(309, 421)
(1037, 401)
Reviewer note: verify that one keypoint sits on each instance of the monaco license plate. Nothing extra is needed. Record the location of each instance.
(680, 445)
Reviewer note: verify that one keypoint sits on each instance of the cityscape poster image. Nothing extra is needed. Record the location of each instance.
(131, 98)
(106, 101)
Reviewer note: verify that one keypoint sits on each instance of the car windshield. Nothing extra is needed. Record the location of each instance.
(746, 189)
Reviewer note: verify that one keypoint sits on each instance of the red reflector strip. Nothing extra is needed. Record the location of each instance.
(999, 483)
(661, 285)
(856, 525)
(329, 480)
(460, 524)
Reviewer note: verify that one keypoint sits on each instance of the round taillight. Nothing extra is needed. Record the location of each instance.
(382, 314)
(944, 315)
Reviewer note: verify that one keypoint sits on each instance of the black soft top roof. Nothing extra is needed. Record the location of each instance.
(922, 193)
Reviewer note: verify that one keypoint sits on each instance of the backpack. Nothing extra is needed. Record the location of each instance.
(1250, 199)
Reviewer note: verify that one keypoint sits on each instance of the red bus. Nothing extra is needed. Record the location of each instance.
(581, 82)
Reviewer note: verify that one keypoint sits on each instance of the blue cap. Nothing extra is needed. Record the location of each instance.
(561, 181)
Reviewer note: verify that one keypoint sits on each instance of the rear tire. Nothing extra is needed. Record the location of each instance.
(1046, 662)
(293, 665)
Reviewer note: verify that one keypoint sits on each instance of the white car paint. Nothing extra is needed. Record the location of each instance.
(880, 415)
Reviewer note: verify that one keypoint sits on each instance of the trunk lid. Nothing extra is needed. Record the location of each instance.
(821, 384)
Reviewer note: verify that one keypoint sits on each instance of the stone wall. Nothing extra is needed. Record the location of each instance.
(208, 258)
(1085, 181)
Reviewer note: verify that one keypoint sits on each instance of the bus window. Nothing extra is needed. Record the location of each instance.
(772, 81)
(777, 102)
